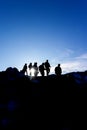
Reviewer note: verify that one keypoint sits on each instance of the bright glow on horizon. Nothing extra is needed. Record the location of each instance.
(32, 71)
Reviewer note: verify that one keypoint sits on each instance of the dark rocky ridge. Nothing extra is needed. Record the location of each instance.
(44, 102)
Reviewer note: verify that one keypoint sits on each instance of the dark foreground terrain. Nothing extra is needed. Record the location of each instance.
(58, 103)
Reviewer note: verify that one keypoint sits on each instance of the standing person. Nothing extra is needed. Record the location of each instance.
(41, 69)
(58, 70)
(36, 69)
(24, 70)
(47, 67)
(30, 67)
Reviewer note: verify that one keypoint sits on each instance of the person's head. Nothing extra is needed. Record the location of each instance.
(42, 63)
(35, 64)
(30, 64)
(58, 65)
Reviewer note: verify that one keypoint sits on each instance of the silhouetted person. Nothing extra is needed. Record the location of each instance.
(47, 67)
(36, 69)
(30, 67)
(58, 70)
(24, 70)
(41, 69)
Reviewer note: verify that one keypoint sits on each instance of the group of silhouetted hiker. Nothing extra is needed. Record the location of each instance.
(34, 69)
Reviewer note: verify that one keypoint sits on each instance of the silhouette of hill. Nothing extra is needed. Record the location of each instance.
(48, 102)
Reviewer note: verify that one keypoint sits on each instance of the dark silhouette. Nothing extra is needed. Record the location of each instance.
(12, 73)
(30, 66)
(24, 70)
(58, 70)
(22, 98)
(47, 67)
(41, 69)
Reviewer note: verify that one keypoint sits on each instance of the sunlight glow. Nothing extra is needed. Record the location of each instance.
(32, 71)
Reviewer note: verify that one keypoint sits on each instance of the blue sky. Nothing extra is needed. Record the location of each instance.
(36, 30)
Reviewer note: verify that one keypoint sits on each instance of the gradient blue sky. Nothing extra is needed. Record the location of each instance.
(36, 30)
